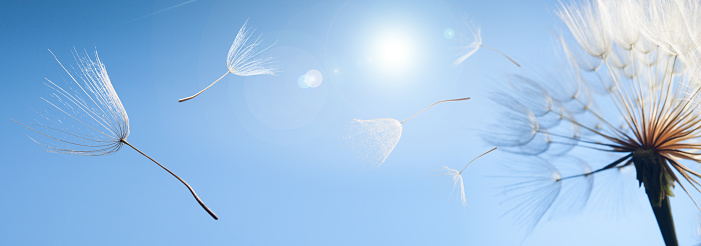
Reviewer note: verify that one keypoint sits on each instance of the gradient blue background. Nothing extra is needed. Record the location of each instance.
(268, 156)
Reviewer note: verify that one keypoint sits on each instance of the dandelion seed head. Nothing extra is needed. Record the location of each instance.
(631, 89)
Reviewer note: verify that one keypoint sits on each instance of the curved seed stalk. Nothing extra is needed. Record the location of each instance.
(209, 211)
(198, 93)
(451, 100)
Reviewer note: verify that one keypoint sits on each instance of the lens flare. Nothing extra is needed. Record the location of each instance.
(313, 78)
(448, 33)
(310, 79)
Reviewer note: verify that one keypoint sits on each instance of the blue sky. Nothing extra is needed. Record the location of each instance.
(268, 156)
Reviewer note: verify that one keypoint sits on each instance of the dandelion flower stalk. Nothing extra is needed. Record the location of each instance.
(375, 139)
(633, 90)
(91, 119)
(243, 59)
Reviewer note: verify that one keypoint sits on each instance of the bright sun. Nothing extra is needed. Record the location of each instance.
(393, 53)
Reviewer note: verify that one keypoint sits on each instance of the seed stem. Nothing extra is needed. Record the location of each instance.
(463, 169)
(451, 100)
(193, 96)
(507, 57)
(176, 176)
(609, 166)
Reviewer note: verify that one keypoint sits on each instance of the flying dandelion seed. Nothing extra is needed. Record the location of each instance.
(473, 46)
(243, 59)
(633, 90)
(537, 187)
(375, 139)
(457, 179)
(91, 120)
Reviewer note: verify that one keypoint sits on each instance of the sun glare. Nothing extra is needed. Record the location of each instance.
(393, 53)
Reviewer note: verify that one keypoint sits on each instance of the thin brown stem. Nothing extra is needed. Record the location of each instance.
(176, 176)
(507, 57)
(451, 100)
(193, 96)
(463, 169)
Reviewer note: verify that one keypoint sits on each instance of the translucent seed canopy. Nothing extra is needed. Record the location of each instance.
(244, 55)
(85, 115)
(375, 139)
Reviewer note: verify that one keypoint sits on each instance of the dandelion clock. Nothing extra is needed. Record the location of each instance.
(630, 98)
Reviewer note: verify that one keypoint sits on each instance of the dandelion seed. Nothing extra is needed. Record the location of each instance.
(674, 26)
(535, 188)
(243, 59)
(457, 184)
(476, 43)
(91, 119)
(647, 64)
(587, 25)
(375, 139)
(457, 178)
